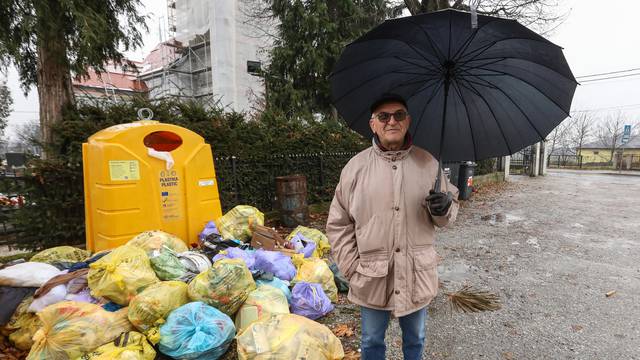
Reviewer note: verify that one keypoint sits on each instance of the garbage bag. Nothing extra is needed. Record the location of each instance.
(315, 270)
(194, 261)
(128, 346)
(321, 240)
(54, 296)
(149, 309)
(28, 274)
(60, 254)
(278, 284)
(209, 228)
(275, 262)
(238, 223)
(288, 336)
(121, 275)
(302, 245)
(224, 286)
(309, 300)
(341, 281)
(69, 329)
(156, 239)
(236, 253)
(167, 265)
(11, 297)
(196, 331)
(23, 325)
(262, 302)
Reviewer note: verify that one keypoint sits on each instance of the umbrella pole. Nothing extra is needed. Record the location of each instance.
(447, 81)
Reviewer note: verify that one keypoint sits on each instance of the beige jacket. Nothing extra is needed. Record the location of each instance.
(381, 231)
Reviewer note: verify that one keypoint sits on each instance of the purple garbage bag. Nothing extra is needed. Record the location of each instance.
(237, 253)
(274, 262)
(302, 245)
(309, 300)
(209, 229)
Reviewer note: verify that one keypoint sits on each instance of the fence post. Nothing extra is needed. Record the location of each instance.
(235, 179)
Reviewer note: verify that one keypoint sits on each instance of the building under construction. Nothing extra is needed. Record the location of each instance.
(212, 54)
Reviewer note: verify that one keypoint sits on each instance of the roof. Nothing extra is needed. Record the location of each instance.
(634, 143)
(112, 78)
(163, 54)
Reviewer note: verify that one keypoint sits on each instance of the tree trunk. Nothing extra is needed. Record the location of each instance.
(55, 91)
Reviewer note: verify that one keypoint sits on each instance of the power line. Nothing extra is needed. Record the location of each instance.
(608, 73)
(609, 78)
(628, 106)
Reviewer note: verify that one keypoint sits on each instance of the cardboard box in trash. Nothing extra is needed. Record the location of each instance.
(268, 239)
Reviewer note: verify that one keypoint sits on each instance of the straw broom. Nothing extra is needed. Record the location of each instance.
(469, 299)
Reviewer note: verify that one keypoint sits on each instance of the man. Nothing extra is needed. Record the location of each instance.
(381, 230)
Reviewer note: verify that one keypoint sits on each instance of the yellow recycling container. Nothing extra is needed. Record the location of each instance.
(143, 176)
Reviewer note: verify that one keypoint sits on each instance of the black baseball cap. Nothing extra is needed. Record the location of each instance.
(387, 98)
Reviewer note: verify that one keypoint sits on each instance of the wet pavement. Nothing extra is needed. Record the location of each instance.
(551, 247)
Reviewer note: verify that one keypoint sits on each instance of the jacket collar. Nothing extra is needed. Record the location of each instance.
(392, 155)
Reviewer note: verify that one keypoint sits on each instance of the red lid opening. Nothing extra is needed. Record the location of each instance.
(162, 141)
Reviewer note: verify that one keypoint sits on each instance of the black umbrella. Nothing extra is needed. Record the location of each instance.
(473, 92)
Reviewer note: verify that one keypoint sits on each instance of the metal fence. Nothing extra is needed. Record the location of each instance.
(624, 162)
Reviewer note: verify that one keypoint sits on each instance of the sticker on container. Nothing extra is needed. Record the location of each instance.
(170, 196)
(208, 182)
(123, 170)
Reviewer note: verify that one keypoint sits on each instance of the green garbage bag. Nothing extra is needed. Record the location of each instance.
(167, 265)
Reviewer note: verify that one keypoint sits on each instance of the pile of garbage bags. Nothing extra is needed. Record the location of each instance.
(154, 295)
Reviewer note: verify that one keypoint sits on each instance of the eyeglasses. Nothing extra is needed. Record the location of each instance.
(385, 117)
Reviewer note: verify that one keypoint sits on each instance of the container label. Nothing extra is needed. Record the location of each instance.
(170, 196)
(206, 182)
(123, 170)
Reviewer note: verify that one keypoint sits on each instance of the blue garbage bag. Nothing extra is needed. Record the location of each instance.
(278, 284)
(196, 331)
(236, 253)
(309, 300)
(275, 262)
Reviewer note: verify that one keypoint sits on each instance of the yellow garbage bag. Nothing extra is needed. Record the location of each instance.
(225, 286)
(315, 270)
(156, 239)
(149, 309)
(288, 336)
(261, 303)
(61, 254)
(121, 275)
(322, 242)
(239, 222)
(23, 325)
(71, 328)
(128, 346)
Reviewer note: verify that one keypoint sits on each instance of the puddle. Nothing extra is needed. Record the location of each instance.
(455, 272)
(501, 218)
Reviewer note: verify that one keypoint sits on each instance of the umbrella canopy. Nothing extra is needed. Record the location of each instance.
(472, 93)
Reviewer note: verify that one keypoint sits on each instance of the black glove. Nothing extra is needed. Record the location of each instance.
(439, 203)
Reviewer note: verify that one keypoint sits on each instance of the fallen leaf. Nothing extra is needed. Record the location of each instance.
(507, 355)
(352, 355)
(343, 330)
(610, 293)
(577, 328)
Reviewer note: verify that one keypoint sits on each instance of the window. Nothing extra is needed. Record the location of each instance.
(253, 67)
(596, 152)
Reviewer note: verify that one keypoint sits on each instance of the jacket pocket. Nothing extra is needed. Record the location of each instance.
(425, 275)
(369, 283)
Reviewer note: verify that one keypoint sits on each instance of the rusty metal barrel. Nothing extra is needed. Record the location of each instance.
(291, 200)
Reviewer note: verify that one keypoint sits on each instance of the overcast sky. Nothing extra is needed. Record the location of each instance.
(597, 37)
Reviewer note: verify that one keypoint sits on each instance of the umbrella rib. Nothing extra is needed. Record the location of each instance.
(488, 46)
(426, 105)
(501, 73)
(472, 37)
(365, 61)
(495, 119)
(439, 55)
(466, 110)
(516, 105)
(417, 64)
(362, 84)
(512, 58)
(493, 61)
(350, 123)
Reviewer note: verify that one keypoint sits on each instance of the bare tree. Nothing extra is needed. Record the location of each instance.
(542, 15)
(609, 132)
(581, 130)
(557, 139)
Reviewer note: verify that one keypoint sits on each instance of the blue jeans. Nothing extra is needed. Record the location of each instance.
(374, 326)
